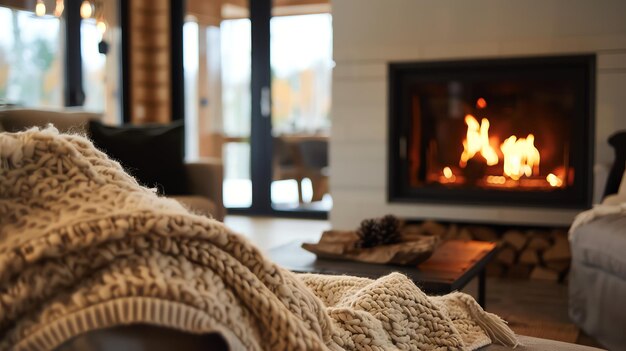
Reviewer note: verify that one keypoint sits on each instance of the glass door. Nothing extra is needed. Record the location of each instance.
(236, 106)
(217, 66)
(301, 66)
(257, 97)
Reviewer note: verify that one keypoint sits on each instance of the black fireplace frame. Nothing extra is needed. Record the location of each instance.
(402, 75)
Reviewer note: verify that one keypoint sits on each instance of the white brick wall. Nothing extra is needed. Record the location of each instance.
(370, 33)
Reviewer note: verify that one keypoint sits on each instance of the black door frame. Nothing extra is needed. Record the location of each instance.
(124, 74)
(177, 21)
(261, 123)
(74, 94)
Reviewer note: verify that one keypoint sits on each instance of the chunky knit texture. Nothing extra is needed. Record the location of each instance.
(84, 247)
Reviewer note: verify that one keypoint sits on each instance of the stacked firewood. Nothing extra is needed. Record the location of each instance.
(524, 253)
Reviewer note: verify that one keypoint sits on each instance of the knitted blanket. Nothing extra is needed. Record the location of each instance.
(84, 247)
(598, 211)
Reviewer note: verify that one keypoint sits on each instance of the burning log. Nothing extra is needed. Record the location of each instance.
(475, 170)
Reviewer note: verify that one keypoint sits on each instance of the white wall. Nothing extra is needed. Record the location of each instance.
(370, 33)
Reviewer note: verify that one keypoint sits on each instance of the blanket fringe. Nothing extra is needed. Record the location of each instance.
(495, 327)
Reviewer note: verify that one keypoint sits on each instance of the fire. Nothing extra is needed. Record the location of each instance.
(496, 179)
(481, 103)
(448, 176)
(477, 140)
(521, 157)
(554, 180)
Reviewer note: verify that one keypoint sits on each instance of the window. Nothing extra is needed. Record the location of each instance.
(31, 59)
(94, 66)
(301, 55)
(301, 67)
(236, 107)
(191, 63)
(271, 165)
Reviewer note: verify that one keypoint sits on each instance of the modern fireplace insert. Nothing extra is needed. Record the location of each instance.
(503, 132)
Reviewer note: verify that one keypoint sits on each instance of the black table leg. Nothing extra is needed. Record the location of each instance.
(481, 288)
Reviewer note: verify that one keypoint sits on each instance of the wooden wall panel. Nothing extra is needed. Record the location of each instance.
(150, 62)
(27, 5)
(206, 12)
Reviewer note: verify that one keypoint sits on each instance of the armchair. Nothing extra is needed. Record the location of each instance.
(597, 281)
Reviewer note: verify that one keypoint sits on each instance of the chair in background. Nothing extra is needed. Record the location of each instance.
(286, 163)
(314, 154)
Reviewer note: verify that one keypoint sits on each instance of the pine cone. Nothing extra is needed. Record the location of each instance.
(375, 232)
(390, 225)
(368, 226)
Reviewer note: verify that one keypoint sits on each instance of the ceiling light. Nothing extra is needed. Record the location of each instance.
(40, 8)
(59, 7)
(102, 26)
(86, 9)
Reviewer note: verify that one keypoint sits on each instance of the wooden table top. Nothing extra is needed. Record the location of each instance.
(450, 267)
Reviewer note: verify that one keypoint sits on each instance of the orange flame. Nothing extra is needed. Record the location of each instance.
(477, 140)
(481, 103)
(554, 180)
(448, 176)
(521, 157)
(496, 179)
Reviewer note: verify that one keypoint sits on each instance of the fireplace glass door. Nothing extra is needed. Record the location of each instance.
(494, 132)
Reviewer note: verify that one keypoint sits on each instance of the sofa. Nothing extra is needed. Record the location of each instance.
(203, 177)
(154, 338)
(597, 283)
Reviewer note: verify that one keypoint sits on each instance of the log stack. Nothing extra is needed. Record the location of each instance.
(542, 254)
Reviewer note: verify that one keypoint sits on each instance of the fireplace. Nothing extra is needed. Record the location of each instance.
(504, 132)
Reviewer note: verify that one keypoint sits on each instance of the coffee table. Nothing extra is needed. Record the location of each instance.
(450, 268)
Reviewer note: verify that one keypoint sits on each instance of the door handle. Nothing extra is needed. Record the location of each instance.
(265, 102)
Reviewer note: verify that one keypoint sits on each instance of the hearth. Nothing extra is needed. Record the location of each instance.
(513, 132)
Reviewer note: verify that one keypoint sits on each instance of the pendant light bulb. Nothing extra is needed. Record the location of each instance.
(40, 8)
(86, 9)
(101, 25)
(59, 7)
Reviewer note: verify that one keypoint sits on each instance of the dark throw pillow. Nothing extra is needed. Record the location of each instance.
(618, 142)
(153, 154)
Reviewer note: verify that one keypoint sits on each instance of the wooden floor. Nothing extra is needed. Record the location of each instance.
(535, 308)
(268, 233)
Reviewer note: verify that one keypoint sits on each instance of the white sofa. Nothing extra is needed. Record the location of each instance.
(597, 283)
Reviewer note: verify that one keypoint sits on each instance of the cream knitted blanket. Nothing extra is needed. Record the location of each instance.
(83, 247)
